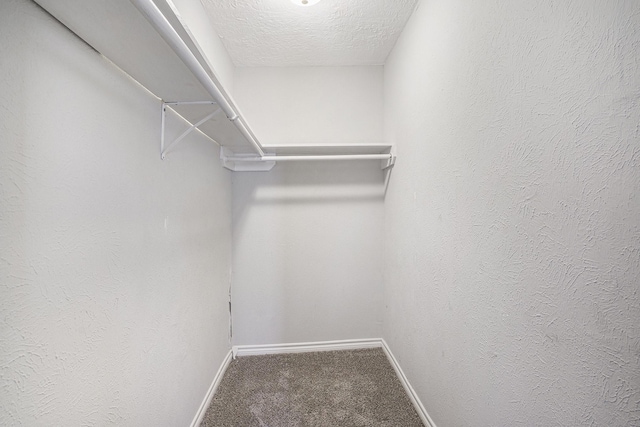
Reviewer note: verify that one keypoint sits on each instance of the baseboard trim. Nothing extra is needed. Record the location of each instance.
(253, 350)
(202, 410)
(415, 400)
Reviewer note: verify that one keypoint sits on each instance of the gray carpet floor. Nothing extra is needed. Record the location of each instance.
(335, 388)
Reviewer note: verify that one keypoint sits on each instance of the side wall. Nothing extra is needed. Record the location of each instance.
(307, 237)
(513, 213)
(114, 265)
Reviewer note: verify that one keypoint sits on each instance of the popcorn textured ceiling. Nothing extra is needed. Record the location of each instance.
(279, 33)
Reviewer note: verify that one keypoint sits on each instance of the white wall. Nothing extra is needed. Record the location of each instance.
(114, 265)
(307, 237)
(312, 105)
(513, 212)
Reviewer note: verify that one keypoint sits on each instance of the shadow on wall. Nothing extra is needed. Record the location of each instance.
(308, 252)
(309, 183)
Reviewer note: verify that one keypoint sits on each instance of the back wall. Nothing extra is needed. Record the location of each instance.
(307, 236)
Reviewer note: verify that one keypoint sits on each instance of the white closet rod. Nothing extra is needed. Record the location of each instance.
(268, 158)
(169, 34)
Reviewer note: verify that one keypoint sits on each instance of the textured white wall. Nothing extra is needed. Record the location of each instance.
(307, 237)
(513, 213)
(312, 105)
(114, 265)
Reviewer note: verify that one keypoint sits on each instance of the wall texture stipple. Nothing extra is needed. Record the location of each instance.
(501, 264)
(308, 236)
(513, 213)
(114, 265)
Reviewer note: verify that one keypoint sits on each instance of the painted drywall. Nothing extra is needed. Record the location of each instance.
(513, 212)
(307, 237)
(114, 265)
(312, 105)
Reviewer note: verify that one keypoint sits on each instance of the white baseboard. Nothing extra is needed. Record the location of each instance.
(304, 347)
(415, 400)
(253, 350)
(202, 410)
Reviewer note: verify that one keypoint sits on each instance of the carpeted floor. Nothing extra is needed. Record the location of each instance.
(336, 388)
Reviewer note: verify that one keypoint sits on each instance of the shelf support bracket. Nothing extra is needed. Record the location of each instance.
(240, 165)
(388, 163)
(163, 150)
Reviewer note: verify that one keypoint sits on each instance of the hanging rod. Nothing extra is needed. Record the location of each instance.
(269, 158)
(159, 21)
(189, 103)
(169, 34)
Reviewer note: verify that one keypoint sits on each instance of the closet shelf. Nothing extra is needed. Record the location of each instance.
(327, 149)
(149, 41)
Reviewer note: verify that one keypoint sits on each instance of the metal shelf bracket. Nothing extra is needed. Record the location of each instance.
(193, 127)
(388, 163)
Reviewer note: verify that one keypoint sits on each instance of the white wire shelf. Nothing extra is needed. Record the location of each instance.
(148, 40)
